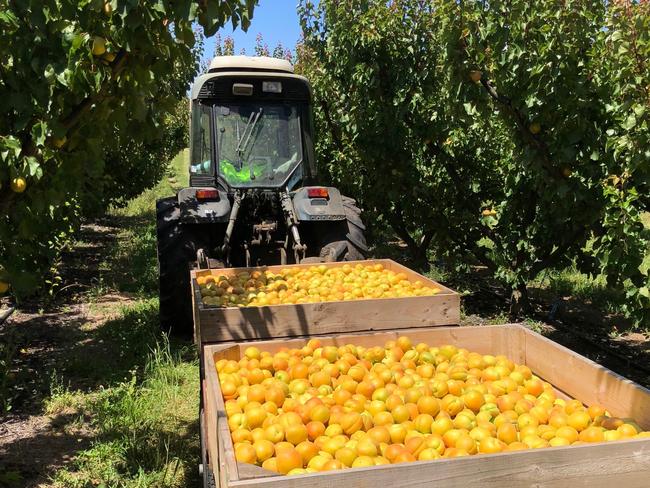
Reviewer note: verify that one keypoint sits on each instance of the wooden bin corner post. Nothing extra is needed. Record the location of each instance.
(197, 304)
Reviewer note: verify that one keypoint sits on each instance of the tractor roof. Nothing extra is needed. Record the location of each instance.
(250, 63)
(246, 67)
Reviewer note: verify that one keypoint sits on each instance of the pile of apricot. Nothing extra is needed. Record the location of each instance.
(322, 407)
(308, 285)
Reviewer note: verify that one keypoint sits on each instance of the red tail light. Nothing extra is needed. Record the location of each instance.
(207, 194)
(318, 193)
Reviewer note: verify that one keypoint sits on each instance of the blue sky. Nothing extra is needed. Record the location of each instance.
(276, 20)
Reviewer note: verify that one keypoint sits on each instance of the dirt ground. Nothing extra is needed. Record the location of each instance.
(50, 338)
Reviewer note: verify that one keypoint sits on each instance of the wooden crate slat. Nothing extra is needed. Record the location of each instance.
(196, 317)
(211, 441)
(622, 464)
(252, 471)
(227, 467)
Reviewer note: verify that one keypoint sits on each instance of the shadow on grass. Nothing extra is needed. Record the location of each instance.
(121, 402)
(118, 347)
(131, 265)
(123, 407)
(142, 405)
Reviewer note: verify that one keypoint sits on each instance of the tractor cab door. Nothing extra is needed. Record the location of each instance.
(202, 165)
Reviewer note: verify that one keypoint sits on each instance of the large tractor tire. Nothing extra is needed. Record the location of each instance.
(344, 240)
(177, 248)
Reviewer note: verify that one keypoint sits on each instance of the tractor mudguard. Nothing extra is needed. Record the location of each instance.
(318, 208)
(212, 210)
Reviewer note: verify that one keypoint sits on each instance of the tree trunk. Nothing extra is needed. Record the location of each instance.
(519, 302)
(419, 255)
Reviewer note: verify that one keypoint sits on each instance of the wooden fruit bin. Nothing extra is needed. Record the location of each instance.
(213, 324)
(620, 464)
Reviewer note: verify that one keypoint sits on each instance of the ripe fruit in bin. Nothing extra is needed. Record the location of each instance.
(322, 407)
(308, 285)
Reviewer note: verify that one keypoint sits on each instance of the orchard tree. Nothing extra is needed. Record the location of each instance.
(389, 130)
(261, 48)
(532, 64)
(135, 165)
(76, 76)
(510, 134)
(622, 246)
(226, 47)
(556, 76)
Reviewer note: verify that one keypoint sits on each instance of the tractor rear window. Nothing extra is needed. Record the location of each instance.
(258, 144)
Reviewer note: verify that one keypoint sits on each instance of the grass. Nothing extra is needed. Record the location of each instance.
(141, 402)
(131, 264)
(592, 290)
(145, 427)
(7, 353)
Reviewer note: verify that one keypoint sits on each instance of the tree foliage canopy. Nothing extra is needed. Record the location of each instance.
(510, 134)
(79, 79)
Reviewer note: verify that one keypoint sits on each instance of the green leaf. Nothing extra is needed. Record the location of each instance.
(629, 123)
(644, 267)
(32, 165)
(39, 133)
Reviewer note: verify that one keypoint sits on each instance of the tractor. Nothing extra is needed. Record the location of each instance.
(253, 198)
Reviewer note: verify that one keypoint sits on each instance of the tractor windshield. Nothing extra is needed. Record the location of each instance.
(258, 144)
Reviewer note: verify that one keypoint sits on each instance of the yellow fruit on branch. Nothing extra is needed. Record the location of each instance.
(475, 75)
(4, 287)
(18, 184)
(58, 143)
(99, 46)
(535, 128)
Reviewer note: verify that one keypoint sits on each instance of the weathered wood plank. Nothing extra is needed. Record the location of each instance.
(211, 441)
(251, 471)
(226, 453)
(623, 464)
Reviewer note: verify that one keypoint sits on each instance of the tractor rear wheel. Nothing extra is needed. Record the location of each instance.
(343, 240)
(177, 250)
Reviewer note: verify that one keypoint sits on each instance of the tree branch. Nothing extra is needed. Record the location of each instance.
(552, 258)
(397, 222)
(7, 196)
(522, 123)
(334, 130)
(75, 115)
